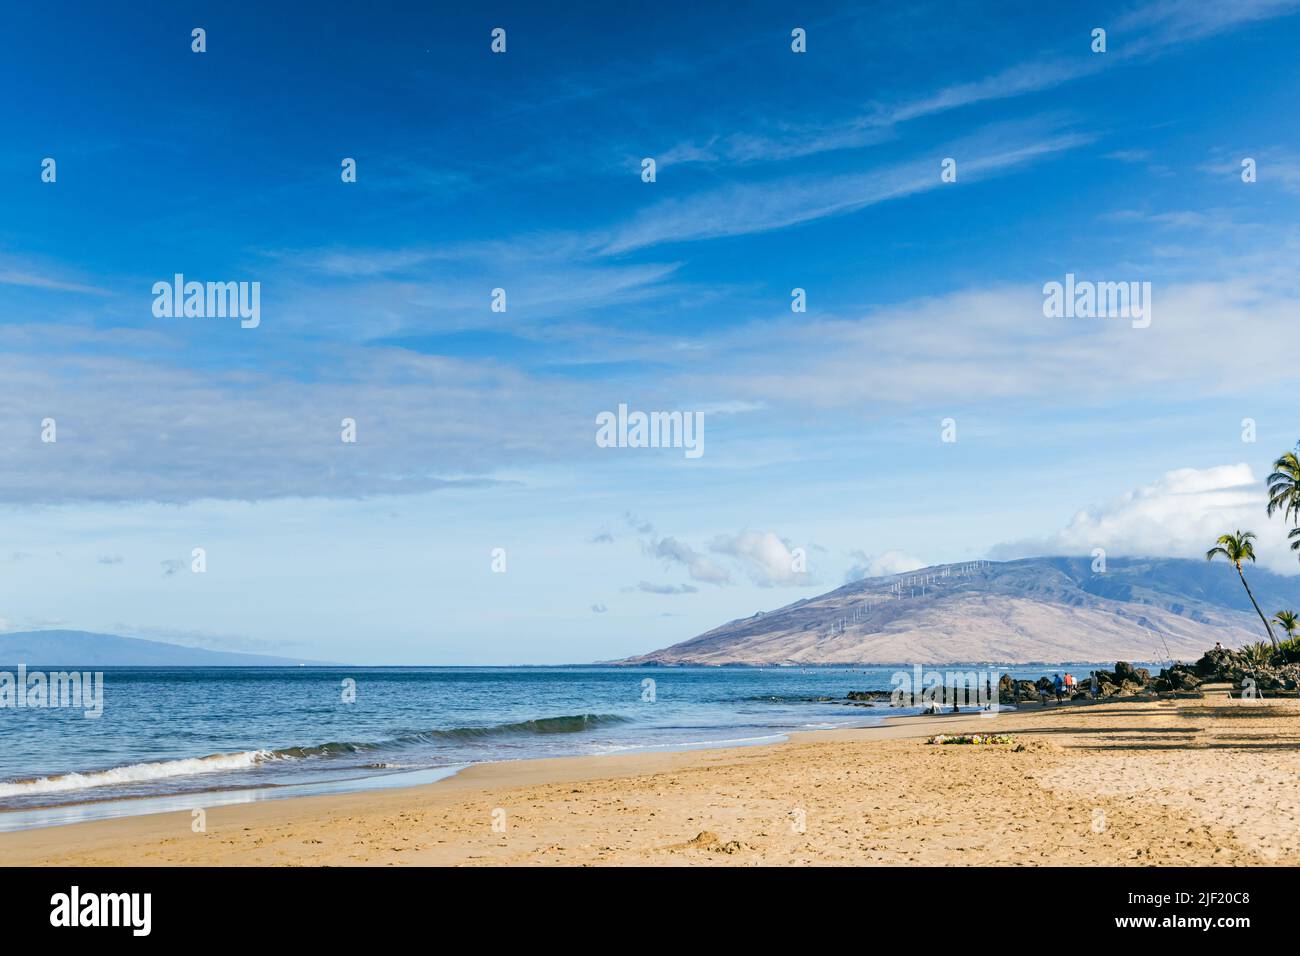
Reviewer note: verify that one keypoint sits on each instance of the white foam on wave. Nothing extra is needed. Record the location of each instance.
(136, 773)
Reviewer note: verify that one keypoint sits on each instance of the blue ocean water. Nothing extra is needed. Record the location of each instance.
(185, 731)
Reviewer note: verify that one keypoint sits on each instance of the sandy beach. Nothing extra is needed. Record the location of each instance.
(1131, 782)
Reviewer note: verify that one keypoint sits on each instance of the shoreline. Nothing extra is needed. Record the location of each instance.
(487, 775)
(1152, 771)
(363, 782)
(131, 787)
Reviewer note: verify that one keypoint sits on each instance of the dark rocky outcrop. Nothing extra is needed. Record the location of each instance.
(870, 695)
(1007, 693)
(1217, 664)
(1223, 665)
(1177, 677)
(1124, 681)
(1220, 665)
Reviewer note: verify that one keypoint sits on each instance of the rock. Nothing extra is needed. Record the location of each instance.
(1218, 664)
(1026, 690)
(1007, 690)
(1127, 673)
(1272, 678)
(708, 840)
(868, 695)
(1177, 677)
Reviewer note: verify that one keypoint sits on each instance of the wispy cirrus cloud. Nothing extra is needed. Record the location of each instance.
(25, 273)
(754, 207)
(420, 289)
(1274, 166)
(1145, 31)
(1169, 23)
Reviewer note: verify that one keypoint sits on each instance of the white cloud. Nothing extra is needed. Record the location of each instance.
(881, 565)
(649, 588)
(700, 567)
(250, 435)
(1178, 515)
(767, 559)
(994, 342)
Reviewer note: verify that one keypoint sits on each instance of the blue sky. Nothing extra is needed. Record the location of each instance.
(521, 171)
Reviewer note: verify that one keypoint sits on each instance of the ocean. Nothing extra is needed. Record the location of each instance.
(178, 738)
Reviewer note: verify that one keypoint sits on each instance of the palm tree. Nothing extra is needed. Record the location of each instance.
(1256, 655)
(1289, 621)
(1238, 548)
(1284, 487)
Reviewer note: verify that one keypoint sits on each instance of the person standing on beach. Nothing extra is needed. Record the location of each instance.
(1059, 686)
(1094, 686)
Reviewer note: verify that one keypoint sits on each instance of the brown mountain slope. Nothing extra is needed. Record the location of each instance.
(1037, 609)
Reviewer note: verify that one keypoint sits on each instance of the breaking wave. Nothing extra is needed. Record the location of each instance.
(135, 773)
(247, 759)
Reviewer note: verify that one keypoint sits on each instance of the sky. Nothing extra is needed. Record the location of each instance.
(923, 408)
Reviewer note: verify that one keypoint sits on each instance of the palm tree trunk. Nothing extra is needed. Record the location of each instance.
(1257, 610)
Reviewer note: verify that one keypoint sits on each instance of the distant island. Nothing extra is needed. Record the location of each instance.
(87, 649)
(1014, 612)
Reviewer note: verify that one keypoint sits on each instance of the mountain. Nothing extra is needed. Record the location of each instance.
(84, 649)
(1050, 609)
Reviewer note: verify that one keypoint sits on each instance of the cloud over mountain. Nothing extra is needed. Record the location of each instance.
(1179, 514)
